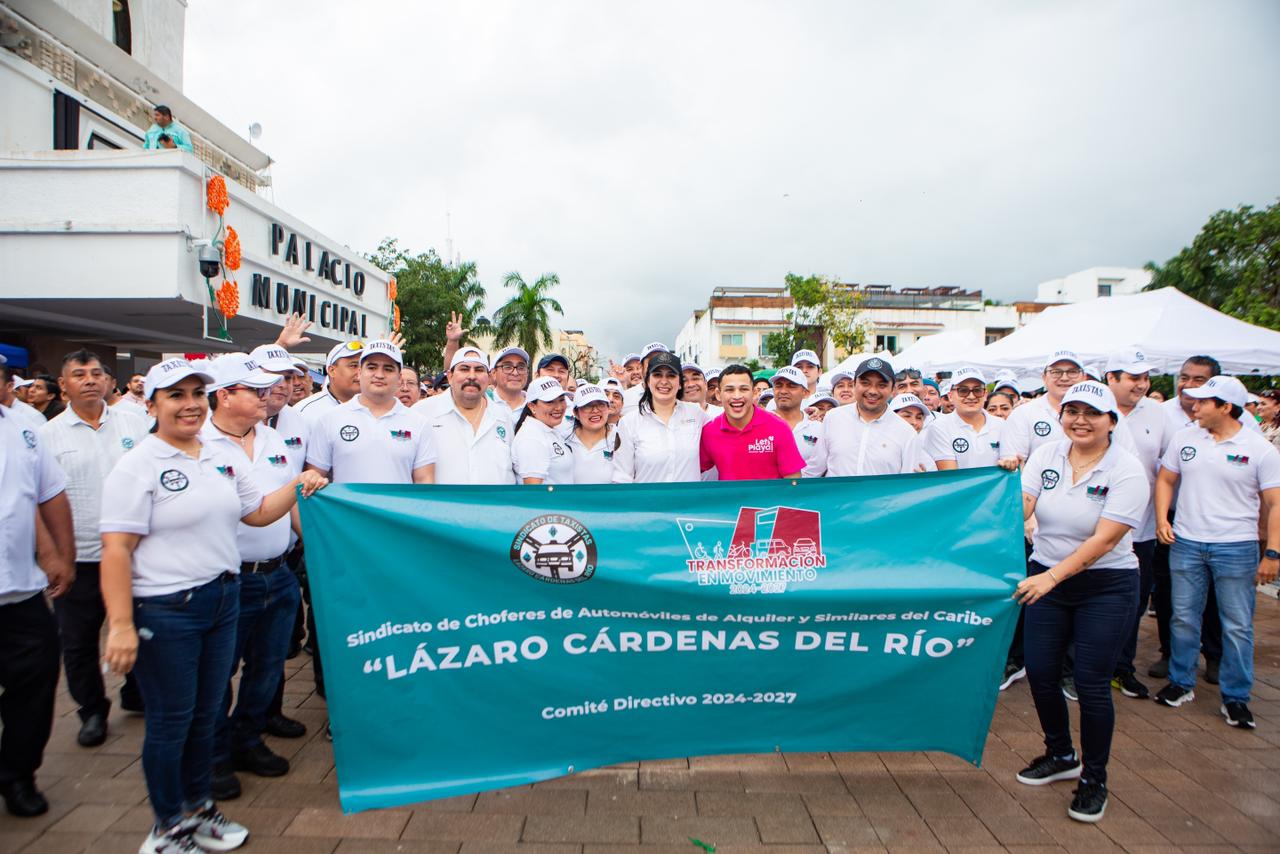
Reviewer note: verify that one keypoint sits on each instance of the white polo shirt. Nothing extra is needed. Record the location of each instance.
(594, 464)
(1029, 426)
(1149, 427)
(29, 476)
(466, 455)
(951, 439)
(811, 440)
(539, 451)
(631, 399)
(86, 456)
(186, 511)
(293, 430)
(1067, 514)
(25, 413)
(353, 446)
(652, 452)
(126, 404)
(857, 447)
(271, 468)
(315, 407)
(917, 457)
(1218, 494)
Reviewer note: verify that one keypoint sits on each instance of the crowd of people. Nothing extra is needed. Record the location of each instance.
(1129, 502)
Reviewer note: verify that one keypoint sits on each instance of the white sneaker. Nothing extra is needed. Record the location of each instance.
(175, 840)
(213, 831)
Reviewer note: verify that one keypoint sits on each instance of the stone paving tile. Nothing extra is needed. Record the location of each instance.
(784, 827)
(396, 846)
(717, 831)
(463, 827)
(589, 828)
(533, 802)
(737, 803)
(673, 804)
(330, 822)
(845, 831)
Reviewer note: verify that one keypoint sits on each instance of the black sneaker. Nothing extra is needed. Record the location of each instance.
(1211, 670)
(1069, 689)
(1012, 673)
(1049, 769)
(1128, 684)
(224, 785)
(1238, 715)
(285, 727)
(1174, 695)
(1089, 803)
(260, 760)
(1159, 670)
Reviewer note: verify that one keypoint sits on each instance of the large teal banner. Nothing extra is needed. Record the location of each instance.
(481, 637)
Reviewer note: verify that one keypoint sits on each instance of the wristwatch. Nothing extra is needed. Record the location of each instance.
(1271, 554)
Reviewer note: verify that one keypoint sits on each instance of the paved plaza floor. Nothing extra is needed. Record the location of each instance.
(1180, 780)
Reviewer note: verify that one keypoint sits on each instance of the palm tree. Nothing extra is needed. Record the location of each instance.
(525, 318)
(462, 280)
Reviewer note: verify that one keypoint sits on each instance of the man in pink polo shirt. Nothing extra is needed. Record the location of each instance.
(746, 442)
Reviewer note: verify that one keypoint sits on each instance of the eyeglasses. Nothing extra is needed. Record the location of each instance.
(909, 373)
(260, 392)
(970, 391)
(508, 368)
(1064, 373)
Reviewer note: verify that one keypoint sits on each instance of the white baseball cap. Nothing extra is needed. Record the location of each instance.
(902, 401)
(791, 375)
(1093, 394)
(1063, 356)
(613, 383)
(712, 374)
(382, 347)
(806, 356)
(944, 388)
(1130, 360)
(469, 354)
(19, 382)
(511, 351)
(1004, 375)
(589, 394)
(819, 396)
(273, 357)
(693, 366)
(629, 358)
(653, 347)
(765, 394)
(547, 389)
(1224, 388)
(341, 351)
(967, 372)
(170, 372)
(836, 376)
(239, 369)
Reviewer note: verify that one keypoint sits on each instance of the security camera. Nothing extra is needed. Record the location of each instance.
(210, 262)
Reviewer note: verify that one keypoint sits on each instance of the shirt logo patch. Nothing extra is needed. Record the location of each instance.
(502, 432)
(809, 440)
(227, 471)
(293, 442)
(1049, 479)
(763, 445)
(278, 460)
(608, 455)
(1187, 454)
(173, 480)
(556, 449)
(402, 435)
(126, 443)
(1238, 459)
(960, 445)
(1042, 428)
(349, 433)
(1098, 493)
(29, 437)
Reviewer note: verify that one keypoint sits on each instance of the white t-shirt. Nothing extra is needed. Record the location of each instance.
(1220, 482)
(270, 469)
(293, 430)
(811, 440)
(950, 438)
(594, 464)
(1150, 429)
(354, 446)
(1067, 514)
(86, 456)
(539, 451)
(186, 511)
(466, 455)
(857, 447)
(650, 451)
(29, 476)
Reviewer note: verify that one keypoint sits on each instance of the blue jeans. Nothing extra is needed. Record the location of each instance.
(268, 605)
(1093, 610)
(1145, 551)
(1232, 568)
(185, 643)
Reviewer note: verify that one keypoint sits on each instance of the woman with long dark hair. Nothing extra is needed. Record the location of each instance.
(659, 442)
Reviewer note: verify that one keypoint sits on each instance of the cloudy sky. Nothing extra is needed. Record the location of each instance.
(650, 152)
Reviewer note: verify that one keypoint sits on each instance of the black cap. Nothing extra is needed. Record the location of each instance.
(663, 359)
(552, 357)
(875, 365)
(442, 380)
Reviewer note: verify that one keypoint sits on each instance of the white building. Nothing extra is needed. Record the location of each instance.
(1092, 283)
(100, 240)
(736, 321)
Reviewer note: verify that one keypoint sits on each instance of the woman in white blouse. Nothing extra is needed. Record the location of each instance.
(538, 454)
(658, 443)
(592, 440)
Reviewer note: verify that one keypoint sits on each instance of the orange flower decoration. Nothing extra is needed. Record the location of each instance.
(229, 299)
(231, 249)
(217, 194)
(391, 289)
(395, 317)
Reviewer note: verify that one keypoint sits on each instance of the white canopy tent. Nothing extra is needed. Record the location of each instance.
(941, 347)
(1165, 324)
(851, 362)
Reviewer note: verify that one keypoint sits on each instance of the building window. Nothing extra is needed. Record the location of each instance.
(1104, 290)
(887, 342)
(730, 339)
(120, 24)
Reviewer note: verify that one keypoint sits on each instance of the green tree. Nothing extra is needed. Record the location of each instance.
(430, 289)
(525, 319)
(823, 306)
(1233, 264)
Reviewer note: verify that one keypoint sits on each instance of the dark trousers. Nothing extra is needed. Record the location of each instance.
(1146, 551)
(1094, 609)
(1162, 598)
(297, 562)
(80, 613)
(1016, 651)
(28, 682)
(186, 640)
